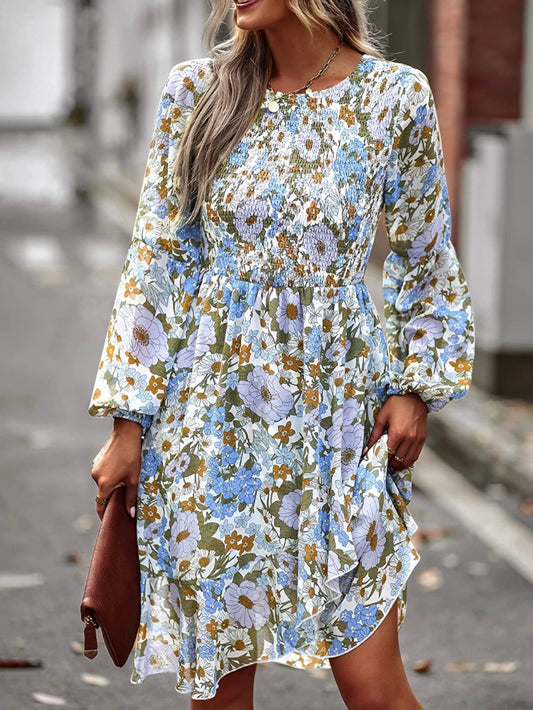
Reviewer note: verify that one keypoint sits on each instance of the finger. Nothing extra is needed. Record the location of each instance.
(131, 499)
(394, 443)
(401, 451)
(415, 452)
(407, 451)
(379, 427)
(419, 449)
(103, 492)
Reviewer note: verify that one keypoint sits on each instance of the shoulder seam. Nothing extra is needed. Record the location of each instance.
(200, 62)
(200, 68)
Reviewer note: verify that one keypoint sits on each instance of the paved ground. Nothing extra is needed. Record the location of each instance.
(468, 604)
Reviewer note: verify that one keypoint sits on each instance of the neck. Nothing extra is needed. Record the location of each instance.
(296, 54)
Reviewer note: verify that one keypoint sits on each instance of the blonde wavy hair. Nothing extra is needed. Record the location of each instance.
(241, 69)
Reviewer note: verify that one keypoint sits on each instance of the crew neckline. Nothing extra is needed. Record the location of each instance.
(321, 93)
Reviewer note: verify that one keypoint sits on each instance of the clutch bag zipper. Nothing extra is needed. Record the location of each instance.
(89, 636)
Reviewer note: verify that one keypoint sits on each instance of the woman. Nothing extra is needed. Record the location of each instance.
(280, 422)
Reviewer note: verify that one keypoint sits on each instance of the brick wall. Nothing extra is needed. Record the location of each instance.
(495, 60)
(447, 73)
(474, 61)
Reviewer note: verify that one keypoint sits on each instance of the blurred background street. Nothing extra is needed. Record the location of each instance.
(80, 83)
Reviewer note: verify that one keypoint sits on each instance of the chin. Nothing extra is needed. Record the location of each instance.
(261, 14)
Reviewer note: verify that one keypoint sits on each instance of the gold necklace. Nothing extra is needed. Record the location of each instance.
(274, 106)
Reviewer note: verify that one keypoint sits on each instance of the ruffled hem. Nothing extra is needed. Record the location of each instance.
(290, 659)
(323, 663)
(343, 616)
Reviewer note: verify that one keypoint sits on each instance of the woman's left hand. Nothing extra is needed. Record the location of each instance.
(405, 417)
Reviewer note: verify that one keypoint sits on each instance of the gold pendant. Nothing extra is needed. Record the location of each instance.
(273, 106)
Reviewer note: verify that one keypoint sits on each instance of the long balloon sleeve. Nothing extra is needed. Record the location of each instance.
(428, 310)
(160, 277)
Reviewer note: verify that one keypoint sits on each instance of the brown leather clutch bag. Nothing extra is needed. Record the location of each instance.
(111, 599)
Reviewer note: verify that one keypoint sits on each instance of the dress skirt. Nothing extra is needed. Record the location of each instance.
(264, 534)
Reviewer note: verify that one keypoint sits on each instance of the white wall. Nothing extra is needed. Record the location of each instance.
(34, 56)
(482, 224)
(527, 92)
(497, 238)
(142, 39)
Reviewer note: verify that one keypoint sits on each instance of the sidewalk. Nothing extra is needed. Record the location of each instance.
(490, 439)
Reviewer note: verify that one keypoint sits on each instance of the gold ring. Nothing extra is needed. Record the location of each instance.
(101, 501)
(391, 451)
(399, 458)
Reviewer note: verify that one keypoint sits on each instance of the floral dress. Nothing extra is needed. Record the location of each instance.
(248, 347)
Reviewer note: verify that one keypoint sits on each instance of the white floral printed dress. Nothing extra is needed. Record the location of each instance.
(248, 347)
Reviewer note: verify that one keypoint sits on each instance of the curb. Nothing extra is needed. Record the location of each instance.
(488, 439)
